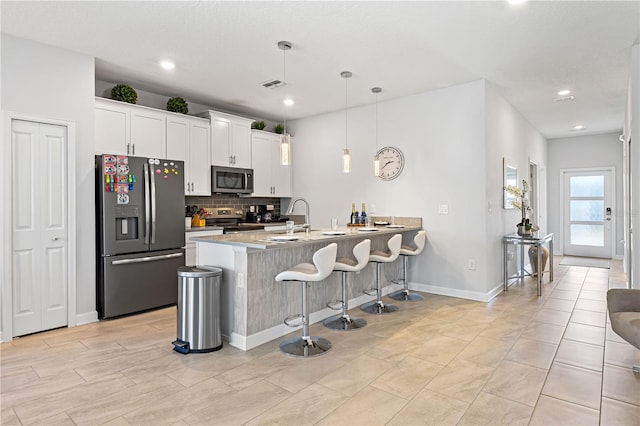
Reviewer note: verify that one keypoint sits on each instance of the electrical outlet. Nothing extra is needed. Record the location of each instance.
(472, 264)
(240, 280)
(443, 208)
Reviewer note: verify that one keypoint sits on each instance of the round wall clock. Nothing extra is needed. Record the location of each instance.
(391, 162)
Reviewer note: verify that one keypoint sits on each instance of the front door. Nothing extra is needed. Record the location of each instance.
(588, 213)
(39, 226)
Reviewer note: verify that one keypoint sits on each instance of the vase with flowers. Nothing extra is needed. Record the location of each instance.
(521, 202)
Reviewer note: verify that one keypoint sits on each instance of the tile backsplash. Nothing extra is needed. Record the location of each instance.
(234, 201)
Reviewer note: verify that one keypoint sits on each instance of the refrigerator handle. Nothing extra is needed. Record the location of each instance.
(147, 213)
(153, 204)
(146, 259)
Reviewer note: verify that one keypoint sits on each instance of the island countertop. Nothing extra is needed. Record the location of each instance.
(270, 240)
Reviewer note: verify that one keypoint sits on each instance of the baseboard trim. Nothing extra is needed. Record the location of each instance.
(618, 257)
(454, 292)
(86, 318)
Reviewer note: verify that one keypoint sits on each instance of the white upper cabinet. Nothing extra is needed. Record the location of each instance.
(230, 139)
(188, 139)
(113, 128)
(128, 129)
(270, 178)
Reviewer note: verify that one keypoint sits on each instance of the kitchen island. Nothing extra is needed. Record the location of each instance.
(253, 304)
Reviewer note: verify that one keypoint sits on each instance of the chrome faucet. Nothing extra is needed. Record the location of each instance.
(307, 224)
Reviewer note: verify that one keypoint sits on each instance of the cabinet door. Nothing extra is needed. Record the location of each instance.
(177, 139)
(241, 145)
(199, 170)
(262, 148)
(111, 129)
(177, 145)
(220, 140)
(148, 133)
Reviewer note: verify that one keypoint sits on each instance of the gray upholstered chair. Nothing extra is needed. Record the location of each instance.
(624, 312)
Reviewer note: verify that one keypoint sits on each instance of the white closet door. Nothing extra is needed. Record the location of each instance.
(39, 227)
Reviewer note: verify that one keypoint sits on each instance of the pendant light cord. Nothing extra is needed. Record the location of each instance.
(346, 111)
(284, 88)
(376, 122)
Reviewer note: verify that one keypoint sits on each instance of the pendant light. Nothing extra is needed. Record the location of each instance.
(285, 138)
(346, 154)
(376, 160)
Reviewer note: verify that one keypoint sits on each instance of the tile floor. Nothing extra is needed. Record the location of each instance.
(519, 359)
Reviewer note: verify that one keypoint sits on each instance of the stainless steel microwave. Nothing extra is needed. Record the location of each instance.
(231, 180)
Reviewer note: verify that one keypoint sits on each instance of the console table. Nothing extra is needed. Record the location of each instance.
(531, 240)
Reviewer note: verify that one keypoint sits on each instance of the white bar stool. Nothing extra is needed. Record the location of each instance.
(380, 257)
(406, 251)
(344, 322)
(323, 262)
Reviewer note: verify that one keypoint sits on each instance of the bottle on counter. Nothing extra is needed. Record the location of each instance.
(352, 218)
(363, 215)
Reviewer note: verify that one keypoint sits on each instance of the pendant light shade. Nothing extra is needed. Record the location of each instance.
(346, 160)
(346, 154)
(285, 138)
(285, 149)
(376, 160)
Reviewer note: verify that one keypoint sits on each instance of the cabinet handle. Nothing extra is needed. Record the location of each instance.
(193, 186)
(133, 149)
(128, 148)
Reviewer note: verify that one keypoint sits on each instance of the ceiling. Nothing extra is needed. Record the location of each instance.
(224, 50)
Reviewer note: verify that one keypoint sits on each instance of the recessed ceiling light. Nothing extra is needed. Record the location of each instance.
(167, 65)
(288, 102)
(516, 2)
(579, 127)
(564, 92)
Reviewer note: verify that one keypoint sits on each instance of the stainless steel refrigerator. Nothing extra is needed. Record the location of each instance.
(140, 233)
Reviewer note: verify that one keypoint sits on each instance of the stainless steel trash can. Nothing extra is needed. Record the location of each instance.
(198, 309)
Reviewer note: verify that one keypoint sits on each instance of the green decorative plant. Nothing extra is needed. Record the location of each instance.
(177, 104)
(278, 129)
(124, 93)
(259, 125)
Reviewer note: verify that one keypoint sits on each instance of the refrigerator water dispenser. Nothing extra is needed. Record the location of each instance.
(127, 222)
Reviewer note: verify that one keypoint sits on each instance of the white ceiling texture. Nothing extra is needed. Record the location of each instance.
(224, 50)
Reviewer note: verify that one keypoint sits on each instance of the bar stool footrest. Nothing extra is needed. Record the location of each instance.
(294, 320)
(371, 291)
(336, 305)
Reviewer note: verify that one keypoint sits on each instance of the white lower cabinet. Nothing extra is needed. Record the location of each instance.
(270, 178)
(190, 246)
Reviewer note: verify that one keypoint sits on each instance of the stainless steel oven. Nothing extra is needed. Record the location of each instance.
(231, 180)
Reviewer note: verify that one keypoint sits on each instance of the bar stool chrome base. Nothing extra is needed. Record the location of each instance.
(305, 347)
(379, 308)
(405, 296)
(344, 323)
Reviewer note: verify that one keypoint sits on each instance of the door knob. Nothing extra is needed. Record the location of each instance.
(54, 239)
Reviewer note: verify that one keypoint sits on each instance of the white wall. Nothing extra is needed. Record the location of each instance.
(48, 82)
(509, 134)
(604, 150)
(442, 135)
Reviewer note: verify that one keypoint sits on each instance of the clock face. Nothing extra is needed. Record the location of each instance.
(391, 162)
